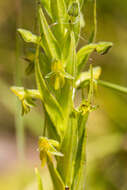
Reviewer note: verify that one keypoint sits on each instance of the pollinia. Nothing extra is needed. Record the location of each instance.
(59, 72)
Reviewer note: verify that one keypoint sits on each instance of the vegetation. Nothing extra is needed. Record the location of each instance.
(58, 66)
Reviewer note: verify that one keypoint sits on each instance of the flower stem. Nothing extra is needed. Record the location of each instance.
(17, 79)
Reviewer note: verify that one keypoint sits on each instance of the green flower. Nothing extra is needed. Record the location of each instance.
(86, 107)
(58, 74)
(27, 98)
(47, 148)
(27, 104)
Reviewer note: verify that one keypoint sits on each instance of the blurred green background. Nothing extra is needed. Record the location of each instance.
(107, 127)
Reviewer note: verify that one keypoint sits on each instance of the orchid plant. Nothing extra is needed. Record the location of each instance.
(59, 71)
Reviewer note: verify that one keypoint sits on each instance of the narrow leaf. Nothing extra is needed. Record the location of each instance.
(40, 186)
(112, 86)
(45, 63)
(79, 179)
(82, 119)
(46, 5)
(56, 179)
(66, 163)
(52, 106)
(51, 129)
(50, 44)
(69, 57)
(58, 9)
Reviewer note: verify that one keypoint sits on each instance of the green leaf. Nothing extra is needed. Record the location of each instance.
(50, 44)
(51, 129)
(71, 55)
(69, 58)
(65, 164)
(58, 9)
(56, 179)
(79, 178)
(85, 76)
(46, 5)
(40, 186)
(52, 106)
(77, 28)
(45, 65)
(84, 53)
(103, 47)
(28, 36)
(66, 47)
(112, 86)
(82, 119)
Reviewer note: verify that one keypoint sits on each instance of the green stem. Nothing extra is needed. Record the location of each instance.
(112, 86)
(94, 32)
(45, 122)
(90, 95)
(83, 94)
(95, 20)
(17, 79)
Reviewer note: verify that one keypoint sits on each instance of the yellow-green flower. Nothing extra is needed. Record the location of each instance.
(27, 98)
(86, 107)
(47, 148)
(58, 74)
